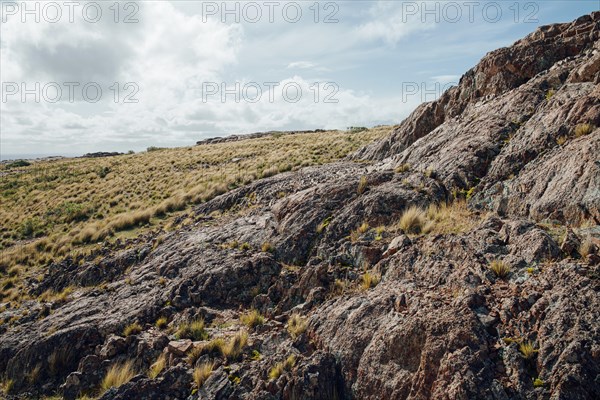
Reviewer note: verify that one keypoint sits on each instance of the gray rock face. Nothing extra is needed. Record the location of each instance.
(440, 324)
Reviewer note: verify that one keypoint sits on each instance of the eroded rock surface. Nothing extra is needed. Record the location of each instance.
(440, 324)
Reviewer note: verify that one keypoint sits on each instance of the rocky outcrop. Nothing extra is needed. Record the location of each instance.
(495, 301)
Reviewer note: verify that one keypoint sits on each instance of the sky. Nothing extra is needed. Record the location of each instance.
(81, 77)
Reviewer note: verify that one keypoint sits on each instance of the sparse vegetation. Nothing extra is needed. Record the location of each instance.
(118, 374)
(69, 207)
(537, 382)
(279, 368)
(132, 329)
(252, 319)
(193, 330)
(202, 372)
(500, 268)
(296, 325)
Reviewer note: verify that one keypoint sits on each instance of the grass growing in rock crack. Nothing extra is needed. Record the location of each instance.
(527, 350)
(252, 319)
(296, 325)
(192, 330)
(158, 366)
(278, 369)
(500, 268)
(202, 373)
(118, 375)
(132, 329)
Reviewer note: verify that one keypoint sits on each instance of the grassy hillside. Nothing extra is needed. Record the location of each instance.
(54, 209)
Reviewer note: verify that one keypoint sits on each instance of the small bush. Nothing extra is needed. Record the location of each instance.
(323, 225)
(132, 329)
(537, 382)
(118, 374)
(279, 368)
(412, 220)
(527, 350)
(194, 331)
(252, 319)
(202, 372)
(158, 366)
(297, 325)
(584, 129)
(500, 268)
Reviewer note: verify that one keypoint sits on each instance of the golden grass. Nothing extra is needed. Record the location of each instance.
(500, 268)
(118, 374)
(132, 329)
(235, 346)
(527, 350)
(278, 369)
(162, 323)
(158, 366)
(584, 129)
(252, 319)
(192, 330)
(362, 185)
(202, 372)
(296, 325)
(369, 280)
(412, 220)
(52, 209)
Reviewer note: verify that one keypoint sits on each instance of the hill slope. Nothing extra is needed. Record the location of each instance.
(460, 262)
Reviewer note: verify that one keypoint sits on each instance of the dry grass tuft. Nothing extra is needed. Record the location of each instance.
(412, 220)
(158, 366)
(202, 372)
(369, 280)
(132, 329)
(527, 350)
(279, 368)
(118, 374)
(362, 185)
(193, 330)
(252, 319)
(297, 325)
(584, 129)
(500, 268)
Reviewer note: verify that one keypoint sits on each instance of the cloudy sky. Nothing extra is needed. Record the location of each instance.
(94, 76)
